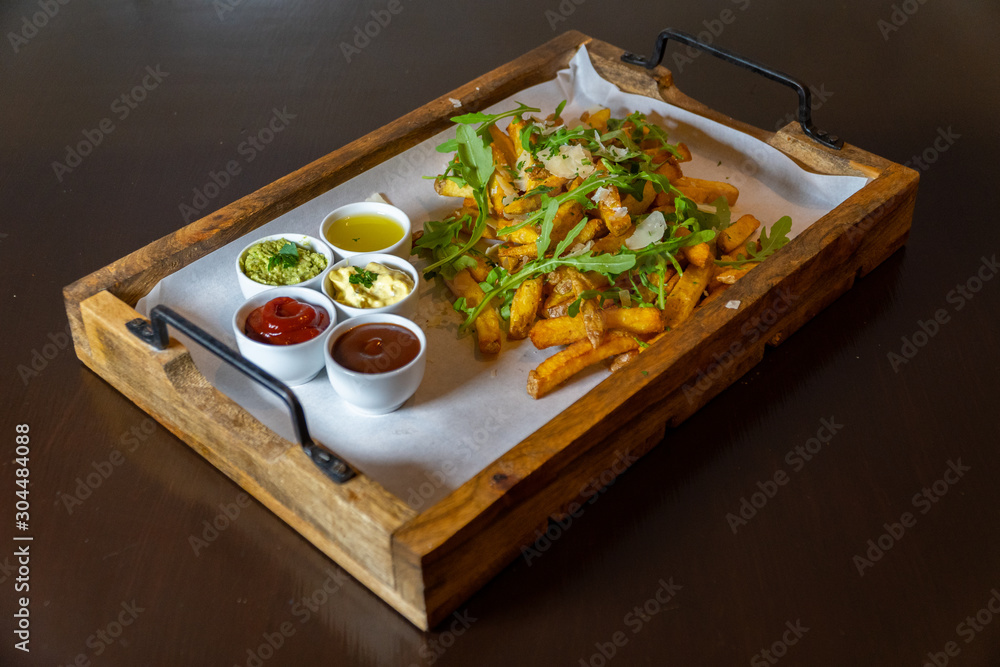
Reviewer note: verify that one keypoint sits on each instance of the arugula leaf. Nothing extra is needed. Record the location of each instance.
(602, 263)
(769, 243)
(574, 308)
(485, 121)
(363, 277)
(287, 257)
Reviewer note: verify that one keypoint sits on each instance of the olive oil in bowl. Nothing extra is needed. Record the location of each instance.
(364, 232)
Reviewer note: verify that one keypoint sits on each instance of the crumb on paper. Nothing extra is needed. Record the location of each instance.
(734, 305)
(455, 103)
(493, 372)
(377, 198)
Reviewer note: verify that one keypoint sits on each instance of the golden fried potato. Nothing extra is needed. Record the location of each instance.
(566, 330)
(488, 323)
(686, 294)
(524, 308)
(565, 364)
(735, 235)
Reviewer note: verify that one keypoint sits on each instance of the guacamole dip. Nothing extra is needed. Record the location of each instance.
(288, 269)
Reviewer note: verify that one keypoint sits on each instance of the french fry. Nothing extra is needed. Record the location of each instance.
(723, 279)
(521, 236)
(622, 360)
(567, 215)
(527, 250)
(449, 188)
(566, 330)
(524, 308)
(503, 144)
(705, 192)
(598, 120)
(488, 323)
(523, 205)
(614, 215)
(697, 254)
(565, 364)
(636, 207)
(685, 295)
(735, 235)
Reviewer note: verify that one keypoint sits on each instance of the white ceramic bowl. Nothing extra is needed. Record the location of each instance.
(249, 287)
(292, 364)
(401, 248)
(407, 307)
(376, 393)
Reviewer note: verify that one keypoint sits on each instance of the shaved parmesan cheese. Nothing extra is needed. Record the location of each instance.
(650, 230)
(569, 162)
(579, 249)
(455, 103)
(600, 195)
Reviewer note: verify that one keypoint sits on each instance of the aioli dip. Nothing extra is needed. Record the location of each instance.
(374, 286)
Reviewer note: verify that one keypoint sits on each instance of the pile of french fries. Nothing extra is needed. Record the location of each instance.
(596, 312)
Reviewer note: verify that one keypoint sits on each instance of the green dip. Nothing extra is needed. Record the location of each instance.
(254, 264)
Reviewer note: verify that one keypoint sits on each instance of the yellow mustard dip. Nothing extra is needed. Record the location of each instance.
(387, 285)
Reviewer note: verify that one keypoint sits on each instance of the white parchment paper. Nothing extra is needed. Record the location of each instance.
(470, 409)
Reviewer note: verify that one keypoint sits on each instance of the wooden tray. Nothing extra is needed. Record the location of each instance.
(426, 563)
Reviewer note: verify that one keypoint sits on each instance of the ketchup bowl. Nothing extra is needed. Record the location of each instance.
(376, 361)
(287, 346)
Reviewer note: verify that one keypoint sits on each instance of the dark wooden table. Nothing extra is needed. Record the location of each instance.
(867, 482)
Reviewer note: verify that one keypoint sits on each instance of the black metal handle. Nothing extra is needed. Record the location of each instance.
(805, 96)
(155, 333)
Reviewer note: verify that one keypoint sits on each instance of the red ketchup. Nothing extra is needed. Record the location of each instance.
(285, 321)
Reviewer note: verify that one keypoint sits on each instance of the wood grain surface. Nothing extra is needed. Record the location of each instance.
(862, 449)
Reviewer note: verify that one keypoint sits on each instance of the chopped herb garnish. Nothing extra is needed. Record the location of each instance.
(287, 257)
(363, 277)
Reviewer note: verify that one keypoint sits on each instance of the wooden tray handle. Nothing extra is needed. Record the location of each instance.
(800, 87)
(154, 332)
